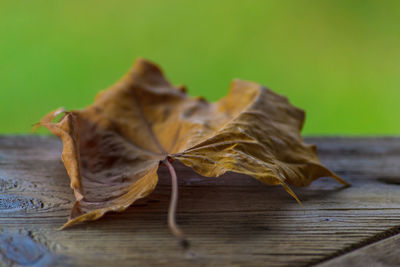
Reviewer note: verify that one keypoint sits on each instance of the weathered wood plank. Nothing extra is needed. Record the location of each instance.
(229, 220)
(383, 253)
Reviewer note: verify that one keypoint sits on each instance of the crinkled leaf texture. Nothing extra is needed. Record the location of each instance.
(112, 148)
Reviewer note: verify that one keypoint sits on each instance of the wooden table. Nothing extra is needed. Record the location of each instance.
(231, 220)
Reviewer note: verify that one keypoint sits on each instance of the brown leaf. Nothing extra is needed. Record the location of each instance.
(112, 149)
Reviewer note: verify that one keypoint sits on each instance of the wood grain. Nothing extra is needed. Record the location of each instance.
(231, 220)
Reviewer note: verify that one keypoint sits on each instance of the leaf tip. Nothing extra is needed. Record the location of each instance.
(291, 192)
(340, 180)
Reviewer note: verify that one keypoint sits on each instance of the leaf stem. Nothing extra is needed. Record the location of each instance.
(172, 206)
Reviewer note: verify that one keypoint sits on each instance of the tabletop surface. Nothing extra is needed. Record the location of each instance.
(230, 220)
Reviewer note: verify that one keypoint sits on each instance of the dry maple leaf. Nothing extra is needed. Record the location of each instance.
(112, 148)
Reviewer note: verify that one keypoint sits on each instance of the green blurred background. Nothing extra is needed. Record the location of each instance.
(338, 60)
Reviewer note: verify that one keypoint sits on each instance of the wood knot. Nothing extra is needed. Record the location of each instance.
(15, 202)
